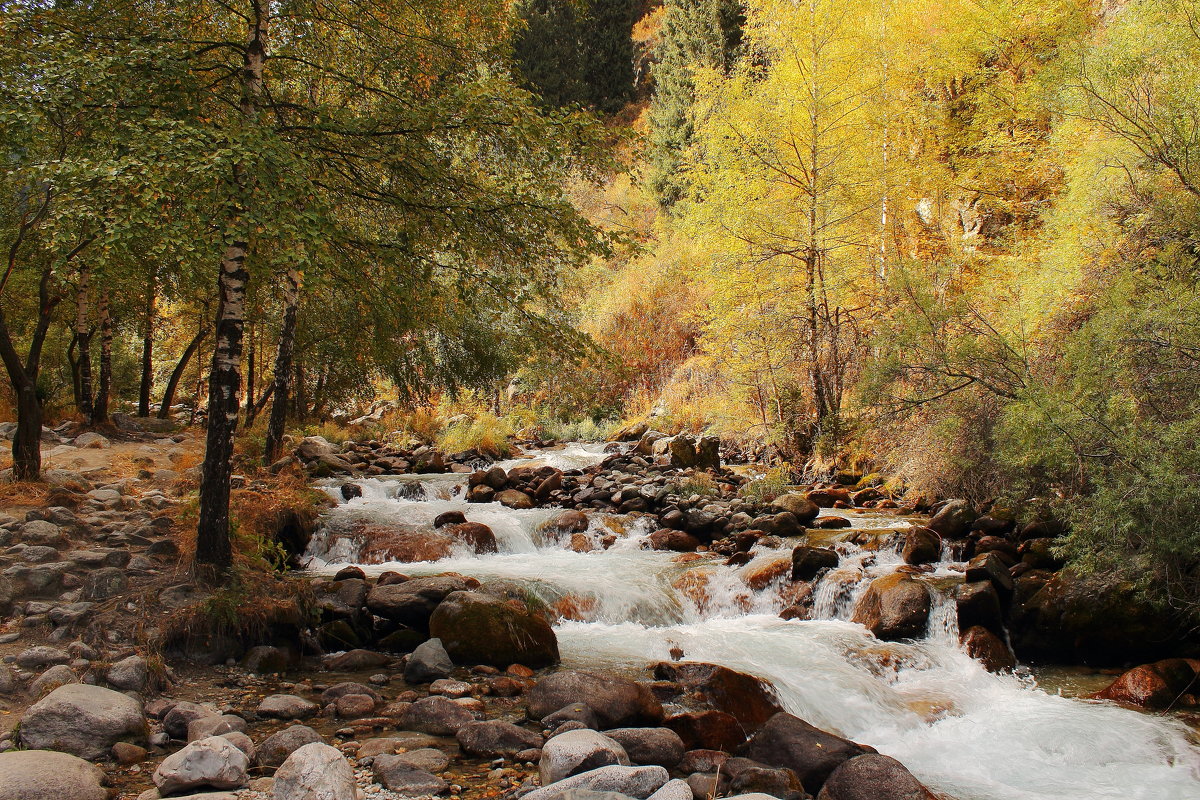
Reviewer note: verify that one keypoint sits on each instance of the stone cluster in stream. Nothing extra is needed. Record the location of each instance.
(444, 686)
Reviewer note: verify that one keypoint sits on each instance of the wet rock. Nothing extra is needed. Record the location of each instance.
(617, 702)
(985, 646)
(82, 720)
(894, 607)
(476, 535)
(990, 567)
(514, 498)
(495, 738)
(953, 520)
(707, 730)
(567, 522)
(873, 777)
(798, 505)
(476, 628)
(339, 690)
(428, 662)
(827, 498)
(1041, 554)
(708, 785)
(412, 602)
(356, 660)
(286, 706)
(922, 546)
(449, 518)
(578, 751)
(1173, 682)
(47, 775)
(661, 746)
(637, 782)
(213, 763)
(315, 771)
(750, 700)
(790, 742)
(978, 603)
(125, 753)
(808, 562)
(677, 541)
(389, 771)
(275, 749)
(439, 716)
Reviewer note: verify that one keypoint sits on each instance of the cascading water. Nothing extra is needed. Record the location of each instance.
(962, 730)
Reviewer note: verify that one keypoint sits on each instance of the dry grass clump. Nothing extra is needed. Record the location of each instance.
(486, 433)
(23, 493)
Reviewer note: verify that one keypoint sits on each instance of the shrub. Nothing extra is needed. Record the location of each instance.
(487, 433)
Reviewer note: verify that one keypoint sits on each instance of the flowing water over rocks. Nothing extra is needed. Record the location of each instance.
(621, 606)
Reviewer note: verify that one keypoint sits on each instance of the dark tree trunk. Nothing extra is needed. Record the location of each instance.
(73, 362)
(214, 551)
(299, 410)
(147, 381)
(83, 397)
(168, 400)
(104, 390)
(283, 368)
(251, 376)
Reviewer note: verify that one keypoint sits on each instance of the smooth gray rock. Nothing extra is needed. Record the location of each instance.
(428, 662)
(578, 751)
(131, 674)
(214, 762)
(436, 715)
(660, 746)
(276, 748)
(673, 790)
(205, 727)
(427, 759)
(315, 771)
(42, 656)
(46, 775)
(82, 720)
(494, 738)
(638, 782)
(286, 706)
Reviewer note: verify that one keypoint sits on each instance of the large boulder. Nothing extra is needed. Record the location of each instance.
(578, 751)
(790, 742)
(617, 702)
(182, 715)
(1164, 684)
(212, 763)
(808, 562)
(82, 720)
(477, 628)
(495, 738)
(953, 520)
(286, 706)
(1060, 618)
(412, 603)
(750, 700)
(47, 775)
(873, 777)
(921, 546)
(315, 771)
(801, 507)
(894, 607)
(978, 603)
(636, 782)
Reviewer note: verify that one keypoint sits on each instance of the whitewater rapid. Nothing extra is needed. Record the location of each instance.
(962, 730)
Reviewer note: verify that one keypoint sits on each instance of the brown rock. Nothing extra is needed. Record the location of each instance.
(894, 607)
(985, 646)
(1170, 683)
(750, 700)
